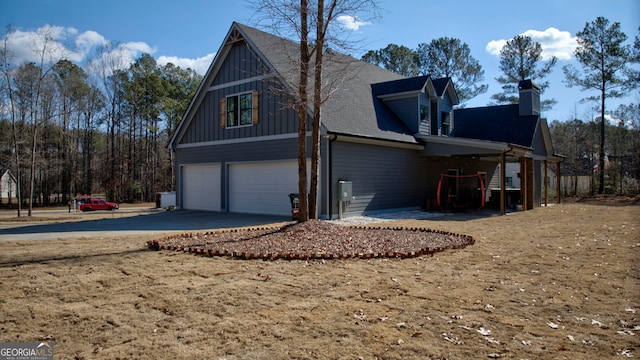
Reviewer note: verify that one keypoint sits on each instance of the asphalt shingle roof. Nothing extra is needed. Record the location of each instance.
(400, 85)
(440, 85)
(496, 123)
(352, 107)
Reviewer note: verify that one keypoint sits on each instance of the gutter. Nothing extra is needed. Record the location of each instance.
(361, 139)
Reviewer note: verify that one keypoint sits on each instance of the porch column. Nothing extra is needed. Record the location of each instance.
(503, 184)
(524, 184)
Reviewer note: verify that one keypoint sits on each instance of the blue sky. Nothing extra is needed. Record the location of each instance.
(189, 32)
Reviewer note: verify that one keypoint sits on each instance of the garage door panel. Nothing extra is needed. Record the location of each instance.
(262, 188)
(201, 187)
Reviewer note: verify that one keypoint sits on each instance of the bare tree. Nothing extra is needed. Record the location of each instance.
(108, 66)
(7, 72)
(301, 19)
(48, 48)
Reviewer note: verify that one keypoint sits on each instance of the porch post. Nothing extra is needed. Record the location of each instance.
(545, 182)
(503, 184)
(524, 186)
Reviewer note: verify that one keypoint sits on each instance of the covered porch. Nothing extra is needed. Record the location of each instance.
(494, 157)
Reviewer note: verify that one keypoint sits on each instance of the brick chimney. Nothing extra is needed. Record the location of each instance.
(529, 98)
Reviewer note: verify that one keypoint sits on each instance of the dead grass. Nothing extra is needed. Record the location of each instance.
(10, 215)
(555, 283)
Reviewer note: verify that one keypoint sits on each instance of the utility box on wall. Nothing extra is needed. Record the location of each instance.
(345, 191)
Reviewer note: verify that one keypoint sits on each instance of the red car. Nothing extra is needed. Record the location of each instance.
(97, 204)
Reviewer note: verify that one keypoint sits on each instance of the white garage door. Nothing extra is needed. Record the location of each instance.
(262, 188)
(201, 187)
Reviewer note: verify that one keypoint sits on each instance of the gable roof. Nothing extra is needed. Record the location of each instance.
(443, 85)
(6, 171)
(496, 123)
(351, 109)
(434, 87)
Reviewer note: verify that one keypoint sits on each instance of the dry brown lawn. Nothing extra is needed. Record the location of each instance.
(561, 282)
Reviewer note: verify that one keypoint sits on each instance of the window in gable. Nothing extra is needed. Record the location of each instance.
(239, 110)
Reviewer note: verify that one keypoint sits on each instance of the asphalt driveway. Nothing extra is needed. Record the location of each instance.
(145, 223)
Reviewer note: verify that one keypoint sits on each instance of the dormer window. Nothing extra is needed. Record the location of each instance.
(424, 112)
(446, 123)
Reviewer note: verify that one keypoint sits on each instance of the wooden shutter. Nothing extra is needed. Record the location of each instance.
(223, 113)
(254, 111)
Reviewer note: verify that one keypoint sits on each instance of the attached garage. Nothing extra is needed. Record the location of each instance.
(200, 185)
(263, 187)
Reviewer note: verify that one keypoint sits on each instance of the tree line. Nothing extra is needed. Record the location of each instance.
(578, 141)
(67, 129)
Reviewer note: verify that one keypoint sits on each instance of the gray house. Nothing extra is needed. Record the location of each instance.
(390, 138)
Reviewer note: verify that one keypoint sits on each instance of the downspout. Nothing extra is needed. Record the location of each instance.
(332, 138)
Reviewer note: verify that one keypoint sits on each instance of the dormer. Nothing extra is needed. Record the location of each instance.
(425, 105)
(442, 103)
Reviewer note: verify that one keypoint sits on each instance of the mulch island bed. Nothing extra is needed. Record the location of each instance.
(315, 239)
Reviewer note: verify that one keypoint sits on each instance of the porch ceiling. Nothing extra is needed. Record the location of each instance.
(449, 146)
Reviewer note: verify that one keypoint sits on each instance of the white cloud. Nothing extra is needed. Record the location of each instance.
(118, 56)
(68, 43)
(351, 22)
(89, 39)
(46, 43)
(553, 41)
(494, 46)
(56, 43)
(200, 65)
(614, 121)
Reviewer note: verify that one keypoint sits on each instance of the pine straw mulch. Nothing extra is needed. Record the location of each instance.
(314, 239)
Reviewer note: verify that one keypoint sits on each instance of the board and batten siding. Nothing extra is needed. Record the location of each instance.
(275, 116)
(241, 72)
(382, 177)
(240, 63)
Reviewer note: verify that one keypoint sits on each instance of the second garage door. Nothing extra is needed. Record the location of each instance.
(262, 188)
